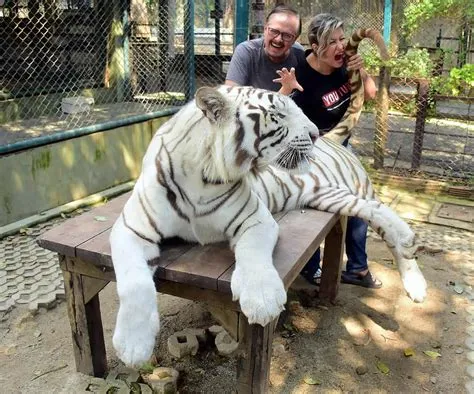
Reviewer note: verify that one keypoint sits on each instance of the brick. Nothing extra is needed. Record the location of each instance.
(182, 344)
(163, 380)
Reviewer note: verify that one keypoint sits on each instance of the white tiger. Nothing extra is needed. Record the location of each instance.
(193, 185)
(206, 178)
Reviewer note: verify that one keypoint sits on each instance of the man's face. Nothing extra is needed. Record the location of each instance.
(279, 35)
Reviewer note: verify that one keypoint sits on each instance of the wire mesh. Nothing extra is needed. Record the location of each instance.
(67, 64)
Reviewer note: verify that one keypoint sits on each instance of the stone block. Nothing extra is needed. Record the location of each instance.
(163, 380)
(127, 375)
(200, 334)
(215, 329)
(182, 344)
(225, 344)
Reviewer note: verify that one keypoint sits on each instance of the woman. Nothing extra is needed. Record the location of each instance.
(322, 91)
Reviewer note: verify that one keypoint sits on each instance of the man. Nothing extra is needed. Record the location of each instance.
(255, 62)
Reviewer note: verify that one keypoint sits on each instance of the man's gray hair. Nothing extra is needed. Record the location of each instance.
(320, 29)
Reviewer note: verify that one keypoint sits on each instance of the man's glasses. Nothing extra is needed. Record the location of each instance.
(287, 37)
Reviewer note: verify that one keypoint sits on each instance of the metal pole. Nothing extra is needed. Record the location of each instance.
(381, 117)
(422, 108)
(258, 7)
(383, 100)
(189, 50)
(241, 21)
(387, 20)
(217, 14)
(126, 51)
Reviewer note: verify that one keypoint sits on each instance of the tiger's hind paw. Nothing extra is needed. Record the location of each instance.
(262, 294)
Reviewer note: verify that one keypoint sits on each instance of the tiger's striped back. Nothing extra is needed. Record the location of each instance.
(344, 128)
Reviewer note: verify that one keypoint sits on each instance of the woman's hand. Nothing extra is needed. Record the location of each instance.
(288, 81)
(355, 62)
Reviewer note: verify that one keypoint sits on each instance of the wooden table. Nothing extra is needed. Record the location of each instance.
(199, 273)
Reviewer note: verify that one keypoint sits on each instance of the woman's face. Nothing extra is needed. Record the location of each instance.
(333, 55)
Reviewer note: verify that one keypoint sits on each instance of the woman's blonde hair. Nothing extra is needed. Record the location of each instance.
(320, 29)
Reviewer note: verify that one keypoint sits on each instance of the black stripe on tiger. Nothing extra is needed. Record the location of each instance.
(237, 214)
(220, 199)
(151, 221)
(237, 229)
(136, 232)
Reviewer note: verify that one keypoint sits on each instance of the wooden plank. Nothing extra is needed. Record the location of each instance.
(93, 271)
(212, 297)
(201, 266)
(227, 318)
(97, 250)
(92, 287)
(300, 235)
(332, 261)
(65, 237)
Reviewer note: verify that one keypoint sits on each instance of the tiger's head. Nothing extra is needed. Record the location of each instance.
(251, 129)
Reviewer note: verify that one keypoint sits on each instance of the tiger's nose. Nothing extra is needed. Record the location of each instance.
(314, 133)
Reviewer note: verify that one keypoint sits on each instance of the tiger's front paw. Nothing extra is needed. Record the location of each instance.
(261, 293)
(414, 282)
(137, 325)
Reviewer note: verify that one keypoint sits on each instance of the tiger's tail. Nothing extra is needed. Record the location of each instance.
(396, 233)
(344, 128)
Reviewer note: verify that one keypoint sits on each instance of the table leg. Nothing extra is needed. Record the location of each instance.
(332, 261)
(86, 325)
(254, 356)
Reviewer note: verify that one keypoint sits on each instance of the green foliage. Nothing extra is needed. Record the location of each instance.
(420, 11)
(415, 63)
(459, 82)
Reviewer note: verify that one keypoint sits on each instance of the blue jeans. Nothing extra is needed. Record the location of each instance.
(356, 237)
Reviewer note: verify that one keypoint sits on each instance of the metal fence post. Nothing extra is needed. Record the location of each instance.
(258, 7)
(163, 40)
(381, 117)
(422, 107)
(190, 70)
(241, 21)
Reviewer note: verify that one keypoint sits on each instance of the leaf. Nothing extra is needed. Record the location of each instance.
(146, 368)
(408, 352)
(383, 367)
(100, 218)
(289, 327)
(312, 381)
(432, 354)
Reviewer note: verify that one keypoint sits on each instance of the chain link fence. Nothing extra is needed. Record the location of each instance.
(68, 64)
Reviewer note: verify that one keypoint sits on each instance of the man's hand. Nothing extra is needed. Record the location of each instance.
(288, 81)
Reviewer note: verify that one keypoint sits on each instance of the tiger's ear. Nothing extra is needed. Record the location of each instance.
(212, 103)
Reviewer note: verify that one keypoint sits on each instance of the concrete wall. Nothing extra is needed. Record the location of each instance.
(42, 178)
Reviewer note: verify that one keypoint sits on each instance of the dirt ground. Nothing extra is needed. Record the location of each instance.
(343, 348)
